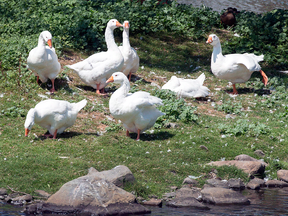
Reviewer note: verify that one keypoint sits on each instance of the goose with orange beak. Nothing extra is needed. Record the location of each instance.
(54, 115)
(131, 58)
(97, 68)
(236, 68)
(138, 111)
(43, 61)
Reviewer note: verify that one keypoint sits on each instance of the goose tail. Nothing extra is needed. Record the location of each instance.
(201, 78)
(202, 92)
(80, 105)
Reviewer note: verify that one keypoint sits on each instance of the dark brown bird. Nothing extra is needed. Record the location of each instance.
(228, 17)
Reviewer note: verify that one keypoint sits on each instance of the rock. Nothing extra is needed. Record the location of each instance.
(259, 153)
(89, 194)
(189, 192)
(187, 202)
(207, 186)
(173, 188)
(11, 196)
(92, 171)
(168, 196)
(249, 167)
(42, 193)
(255, 184)
(3, 191)
(218, 183)
(220, 196)
(119, 175)
(153, 202)
(190, 181)
(236, 184)
(244, 157)
(20, 200)
(203, 147)
(276, 183)
(282, 175)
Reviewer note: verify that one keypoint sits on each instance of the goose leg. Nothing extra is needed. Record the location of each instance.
(138, 135)
(130, 76)
(98, 90)
(235, 92)
(127, 133)
(52, 90)
(265, 78)
(55, 134)
(38, 80)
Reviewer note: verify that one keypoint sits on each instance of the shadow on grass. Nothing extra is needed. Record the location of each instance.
(242, 91)
(64, 135)
(163, 135)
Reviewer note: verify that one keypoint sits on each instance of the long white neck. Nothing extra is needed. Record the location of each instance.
(118, 96)
(109, 38)
(126, 42)
(30, 118)
(217, 53)
(41, 41)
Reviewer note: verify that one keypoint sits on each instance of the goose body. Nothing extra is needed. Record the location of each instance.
(43, 61)
(236, 68)
(188, 87)
(53, 115)
(131, 59)
(138, 111)
(96, 69)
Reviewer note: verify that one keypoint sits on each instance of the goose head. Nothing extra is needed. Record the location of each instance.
(29, 122)
(126, 24)
(213, 40)
(117, 77)
(47, 37)
(113, 24)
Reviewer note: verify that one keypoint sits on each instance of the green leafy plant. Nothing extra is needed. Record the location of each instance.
(175, 109)
(243, 126)
(230, 107)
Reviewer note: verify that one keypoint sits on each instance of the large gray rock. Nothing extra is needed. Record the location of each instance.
(119, 175)
(236, 184)
(244, 157)
(249, 167)
(3, 191)
(276, 183)
(255, 184)
(218, 183)
(222, 196)
(90, 194)
(187, 202)
(282, 175)
(189, 192)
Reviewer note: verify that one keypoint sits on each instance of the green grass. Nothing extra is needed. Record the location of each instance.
(164, 156)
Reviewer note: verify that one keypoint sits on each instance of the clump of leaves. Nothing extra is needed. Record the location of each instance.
(175, 109)
(13, 111)
(112, 126)
(243, 126)
(230, 107)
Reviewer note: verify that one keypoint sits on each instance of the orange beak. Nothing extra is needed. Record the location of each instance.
(111, 79)
(209, 40)
(126, 24)
(118, 24)
(49, 42)
(26, 132)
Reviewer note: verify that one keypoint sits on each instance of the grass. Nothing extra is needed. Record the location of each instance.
(164, 156)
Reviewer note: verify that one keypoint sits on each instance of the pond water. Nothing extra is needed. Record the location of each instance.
(257, 6)
(263, 202)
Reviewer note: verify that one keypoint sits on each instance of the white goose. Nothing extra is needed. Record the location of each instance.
(188, 87)
(136, 111)
(54, 115)
(96, 69)
(43, 61)
(131, 59)
(236, 68)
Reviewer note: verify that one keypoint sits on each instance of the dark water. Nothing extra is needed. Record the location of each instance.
(257, 6)
(263, 202)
